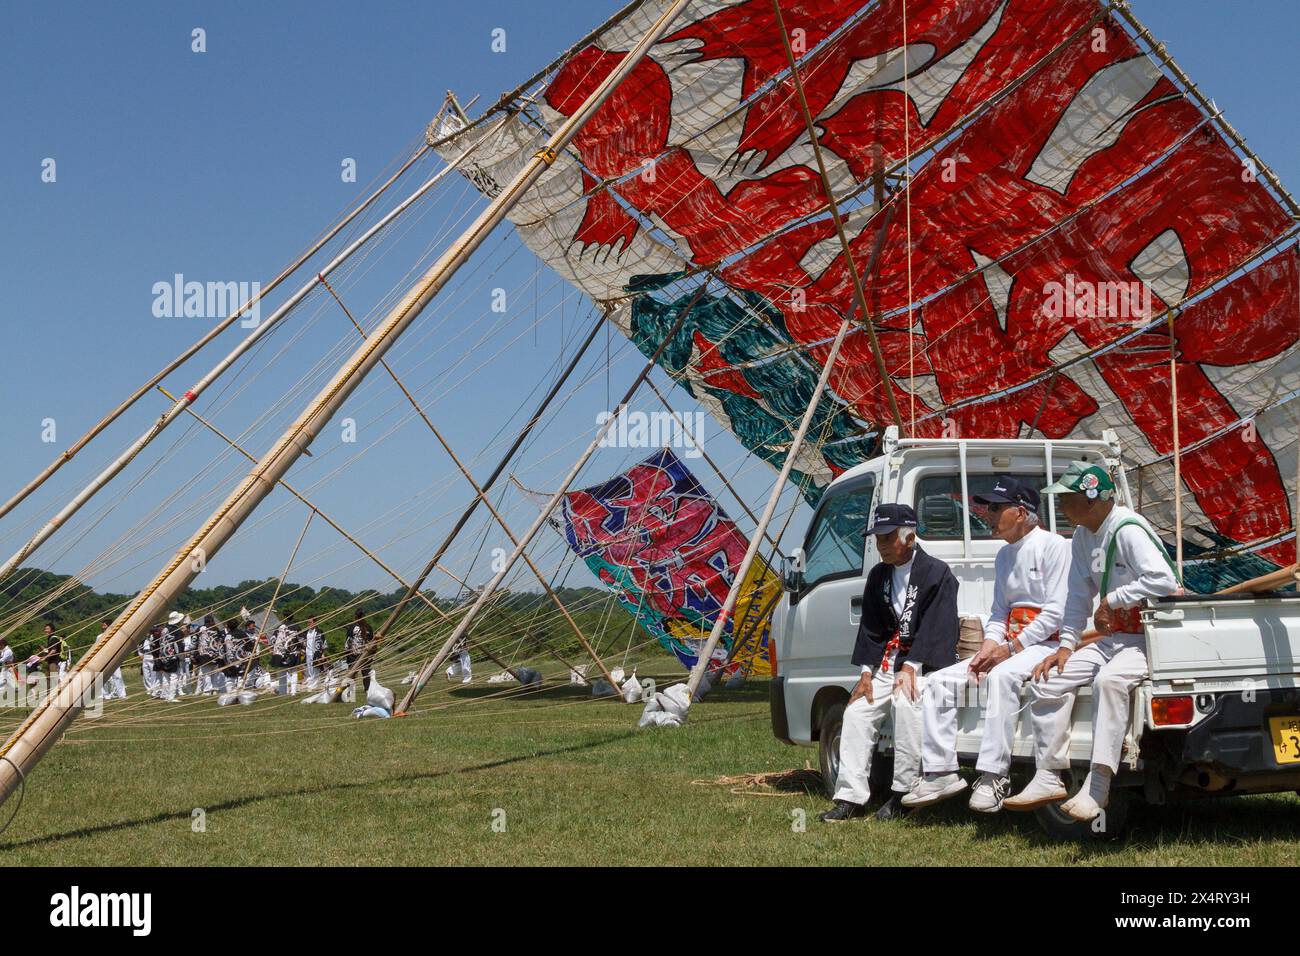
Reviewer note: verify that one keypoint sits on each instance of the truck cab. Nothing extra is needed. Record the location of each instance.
(815, 623)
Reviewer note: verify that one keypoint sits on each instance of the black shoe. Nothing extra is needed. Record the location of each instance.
(841, 811)
(893, 809)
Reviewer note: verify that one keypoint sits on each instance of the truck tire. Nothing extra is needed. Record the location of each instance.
(1059, 825)
(828, 755)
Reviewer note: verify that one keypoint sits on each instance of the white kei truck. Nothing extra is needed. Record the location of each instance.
(1218, 715)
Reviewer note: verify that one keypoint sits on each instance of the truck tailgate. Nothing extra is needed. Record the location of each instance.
(1224, 638)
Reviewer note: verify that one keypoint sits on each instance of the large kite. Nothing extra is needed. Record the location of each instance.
(669, 552)
(1068, 194)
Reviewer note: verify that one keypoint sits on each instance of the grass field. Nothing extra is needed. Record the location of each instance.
(281, 783)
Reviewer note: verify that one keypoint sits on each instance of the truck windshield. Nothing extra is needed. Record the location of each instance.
(939, 504)
(836, 542)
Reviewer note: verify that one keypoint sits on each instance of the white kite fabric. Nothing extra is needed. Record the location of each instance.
(1063, 195)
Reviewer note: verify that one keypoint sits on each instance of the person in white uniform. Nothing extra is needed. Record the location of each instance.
(1115, 554)
(908, 628)
(1029, 588)
(9, 683)
(461, 667)
(115, 686)
(313, 652)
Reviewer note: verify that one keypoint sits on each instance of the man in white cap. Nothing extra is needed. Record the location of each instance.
(909, 627)
(1115, 554)
(1029, 589)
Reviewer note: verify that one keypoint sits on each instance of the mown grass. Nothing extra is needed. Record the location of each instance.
(577, 782)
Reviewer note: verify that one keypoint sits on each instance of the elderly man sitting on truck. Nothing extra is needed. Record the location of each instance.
(1029, 590)
(909, 627)
(1116, 554)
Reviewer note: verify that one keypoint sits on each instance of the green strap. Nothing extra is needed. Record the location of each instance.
(1110, 552)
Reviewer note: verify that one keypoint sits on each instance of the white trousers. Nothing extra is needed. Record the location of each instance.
(286, 683)
(115, 687)
(1114, 666)
(862, 723)
(997, 695)
(147, 676)
(460, 669)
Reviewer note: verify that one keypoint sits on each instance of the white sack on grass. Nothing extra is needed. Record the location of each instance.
(371, 711)
(505, 677)
(706, 684)
(378, 695)
(409, 678)
(617, 674)
(666, 709)
(632, 689)
(578, 675)
(324, 697)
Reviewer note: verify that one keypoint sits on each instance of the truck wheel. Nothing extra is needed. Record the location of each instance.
(828, 755)
(1059, 825)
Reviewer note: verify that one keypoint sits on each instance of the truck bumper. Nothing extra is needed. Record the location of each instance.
(780, 724)
(1234, 740)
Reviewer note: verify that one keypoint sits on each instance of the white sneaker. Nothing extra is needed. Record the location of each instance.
(1045, 788)
(933, 789)
(989, 792)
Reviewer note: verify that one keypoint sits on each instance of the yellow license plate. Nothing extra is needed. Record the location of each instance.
(1286, 738)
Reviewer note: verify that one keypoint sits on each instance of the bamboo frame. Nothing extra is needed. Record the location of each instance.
(45, 724)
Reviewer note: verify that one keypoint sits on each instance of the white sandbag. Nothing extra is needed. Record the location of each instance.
(225, 700)
(410, 676)
(660, 719)
(247, 697)
(617, 674)
(632, 689)
(326, 696)
(349, 695)
(505, 677)
(674, 700)
(371, 711)
(578, 675)
(378, 695)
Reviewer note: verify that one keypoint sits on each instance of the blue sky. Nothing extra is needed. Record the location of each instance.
(223, 165)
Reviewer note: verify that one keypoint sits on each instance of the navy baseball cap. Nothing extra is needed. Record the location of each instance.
(1009, 490)
(890, 518)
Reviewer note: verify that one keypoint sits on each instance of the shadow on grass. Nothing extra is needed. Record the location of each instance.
(256, 798)
(1225, 820)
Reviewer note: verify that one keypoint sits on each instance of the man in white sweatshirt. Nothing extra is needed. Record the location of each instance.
(1115, 554)
(1029, 589)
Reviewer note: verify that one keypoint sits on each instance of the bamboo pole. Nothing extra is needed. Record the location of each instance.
(482, 496)
(153, 431)
(501, 464)
(432, 665)
(319, 513)
(751, 552)
(858, 294)
(46, 723)
(220, 327)
(1178, 448)
(261, 631)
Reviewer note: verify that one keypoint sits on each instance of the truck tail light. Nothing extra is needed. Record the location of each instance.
(771, 654)
(1171, 710)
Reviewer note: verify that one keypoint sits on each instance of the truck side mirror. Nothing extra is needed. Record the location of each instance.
(792, 568)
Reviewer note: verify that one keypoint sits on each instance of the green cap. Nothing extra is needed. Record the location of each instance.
(1091, 480)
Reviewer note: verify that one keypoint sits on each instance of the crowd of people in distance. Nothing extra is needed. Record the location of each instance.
(182, 658)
